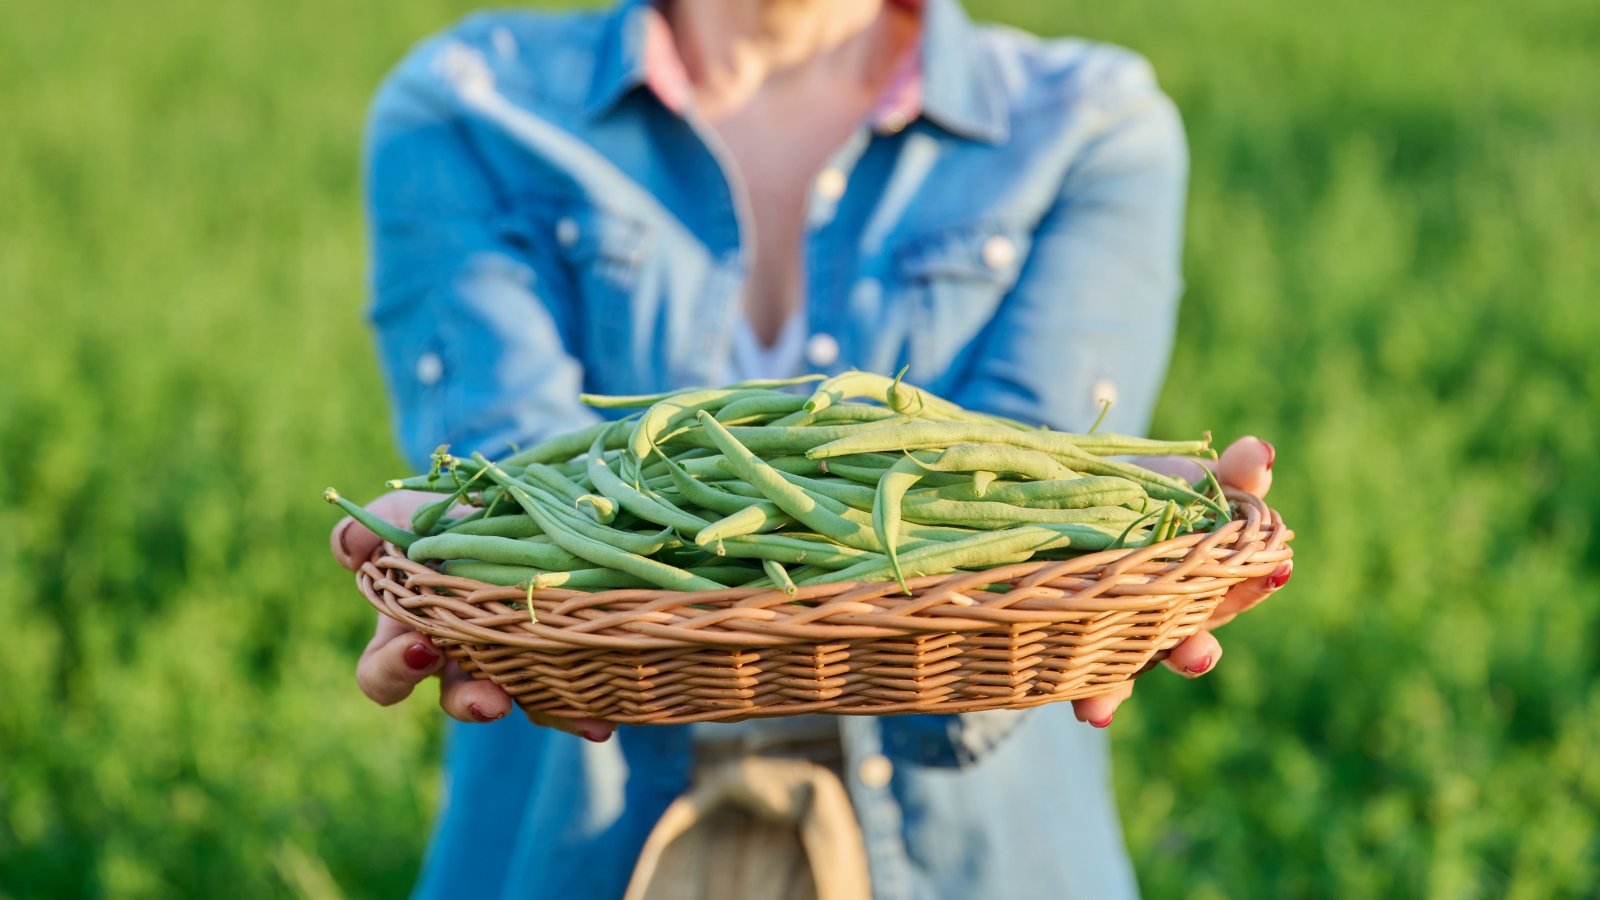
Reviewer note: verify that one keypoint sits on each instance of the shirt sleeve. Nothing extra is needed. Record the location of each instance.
(1094, 309)
(1091, 318)
(474, 316)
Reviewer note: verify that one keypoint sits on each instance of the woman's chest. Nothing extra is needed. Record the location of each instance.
(899, 248)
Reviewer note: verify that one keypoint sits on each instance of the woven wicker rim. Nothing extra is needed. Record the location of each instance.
(1108, 614)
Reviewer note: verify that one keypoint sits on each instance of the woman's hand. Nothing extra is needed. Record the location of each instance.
(1246, 466)
(397, 659)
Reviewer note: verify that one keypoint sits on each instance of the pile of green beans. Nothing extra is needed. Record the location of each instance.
(756, 485)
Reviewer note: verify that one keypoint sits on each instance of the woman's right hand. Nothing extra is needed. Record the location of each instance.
(397, 659)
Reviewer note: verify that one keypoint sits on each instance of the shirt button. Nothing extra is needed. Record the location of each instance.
(1104, 393)
(566, 231)
(504, 43)
(999, 251)
(430, 368)
(822, 349)
(830, 184)
(875, 771)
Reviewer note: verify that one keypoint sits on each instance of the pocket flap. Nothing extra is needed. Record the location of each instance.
(986, 251)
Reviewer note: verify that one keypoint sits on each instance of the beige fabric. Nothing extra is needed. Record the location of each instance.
(756, 828)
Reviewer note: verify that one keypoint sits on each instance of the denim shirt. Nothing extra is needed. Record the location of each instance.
(542, 225)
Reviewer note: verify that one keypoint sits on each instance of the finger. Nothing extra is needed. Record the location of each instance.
(1246, 465)
(390, 669)
(1195, 655)
(352, 543)
(597, 730)
(1099, 710)
(471, 699)
(1248, 593)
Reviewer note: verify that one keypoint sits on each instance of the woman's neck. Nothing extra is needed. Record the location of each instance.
(732, 48)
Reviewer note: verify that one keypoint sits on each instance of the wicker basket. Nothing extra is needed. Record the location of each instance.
(1062, 631)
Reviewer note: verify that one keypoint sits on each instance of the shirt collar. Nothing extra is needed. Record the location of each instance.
(955, 86)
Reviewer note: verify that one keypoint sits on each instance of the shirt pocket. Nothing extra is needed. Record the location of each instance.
(605, 252)
(952, 282)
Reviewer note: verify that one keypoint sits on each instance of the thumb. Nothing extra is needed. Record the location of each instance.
(352, 543)
(1247, 465)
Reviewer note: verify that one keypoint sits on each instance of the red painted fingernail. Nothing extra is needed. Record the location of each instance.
(1280, 576)
(479, 714)
(1201, 667)
(1272, 454)
(1103, 722)
(420, 656)
(595, 736)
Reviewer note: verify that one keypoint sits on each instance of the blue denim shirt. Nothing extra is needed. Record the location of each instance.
(542, 225)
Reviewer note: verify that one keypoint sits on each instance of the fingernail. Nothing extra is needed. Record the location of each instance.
(1201, 667)
(479, 714)
(599, 737)
(420, 656)
(1280, 576)
(1272, 454)
(1103, 722)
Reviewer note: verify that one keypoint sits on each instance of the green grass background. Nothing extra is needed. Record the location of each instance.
(1392, 265)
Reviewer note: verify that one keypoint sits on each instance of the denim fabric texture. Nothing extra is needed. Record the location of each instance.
(542, 225)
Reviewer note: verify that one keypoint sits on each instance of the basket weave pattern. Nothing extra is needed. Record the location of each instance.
(1063, 630)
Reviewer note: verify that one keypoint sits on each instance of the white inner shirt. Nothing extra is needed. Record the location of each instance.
(750, 360)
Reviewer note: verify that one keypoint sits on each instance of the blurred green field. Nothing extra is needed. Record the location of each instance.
(1394, 270)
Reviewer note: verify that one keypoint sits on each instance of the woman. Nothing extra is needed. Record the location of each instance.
(658, 196)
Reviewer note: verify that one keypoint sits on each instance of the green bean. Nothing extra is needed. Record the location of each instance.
(869, 475)
(886, 512)
(989, 514)
(779, 577)
(559, 448)
(795, 551)
(632, 542)
(490, 573)
(753, 519)
(589, 579)
(507, 551)
(519, 525)
(428, 483)
(925, 435)
(979, 551)
(846, 492)
(931, 435)
(1071, 493)
(759, 408)
(770, 440)
(837, 414)
(673, 411)
(718, 501)
(426, 518)
(1163, 522)
(605, 555)
(1030, 464)
(791, 499)
(383, 528)
(603, 401)
(603, 509)
(898, 396)
(851, 514)
(1159, 487)
(552, 481)
(635, 501)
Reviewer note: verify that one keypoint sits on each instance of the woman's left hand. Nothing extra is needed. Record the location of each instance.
(1246, 466)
